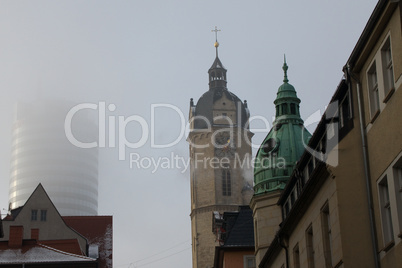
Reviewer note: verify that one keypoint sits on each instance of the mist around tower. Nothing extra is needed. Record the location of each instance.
(112, 133)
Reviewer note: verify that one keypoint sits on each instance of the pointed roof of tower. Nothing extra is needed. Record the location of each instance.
(218, 92)
(287, 102)
(284, 144)
(286, 91)
(217, 64)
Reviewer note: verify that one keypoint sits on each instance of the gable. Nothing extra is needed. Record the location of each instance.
(48, 220)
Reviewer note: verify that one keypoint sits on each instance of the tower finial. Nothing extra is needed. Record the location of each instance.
(216, 45)
(285, 69)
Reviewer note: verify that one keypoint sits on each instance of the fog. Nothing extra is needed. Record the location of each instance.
(128, 57)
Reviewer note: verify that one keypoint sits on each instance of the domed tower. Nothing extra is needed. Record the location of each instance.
(274, 163)
(220, 148)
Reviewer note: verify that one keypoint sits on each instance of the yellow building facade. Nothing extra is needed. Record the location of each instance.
(342, 206)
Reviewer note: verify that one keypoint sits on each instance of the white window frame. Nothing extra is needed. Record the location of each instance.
(296, 256)
(373, 90)
(391, 177)
(385, 210)
(387, 68)
(310, 247)
(326, 229)
(385, 85)
(245, 261)
(397, 180)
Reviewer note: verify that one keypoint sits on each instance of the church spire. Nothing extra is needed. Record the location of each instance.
(285, 70)
(285, 141)
(217, 73)
(287, 102)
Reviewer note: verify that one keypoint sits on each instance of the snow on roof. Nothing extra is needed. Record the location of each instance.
(39, 253)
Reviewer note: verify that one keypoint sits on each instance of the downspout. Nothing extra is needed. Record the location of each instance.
(366, 166)
(280, 240)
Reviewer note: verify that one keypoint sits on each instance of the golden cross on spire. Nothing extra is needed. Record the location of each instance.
(216, 33)
(216, 45)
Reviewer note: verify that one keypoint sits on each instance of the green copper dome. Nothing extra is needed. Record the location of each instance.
(283, 145)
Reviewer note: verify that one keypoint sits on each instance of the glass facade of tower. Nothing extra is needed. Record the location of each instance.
(41, 153)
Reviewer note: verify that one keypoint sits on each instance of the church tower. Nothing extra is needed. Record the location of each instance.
(220, 150)
(274, 164)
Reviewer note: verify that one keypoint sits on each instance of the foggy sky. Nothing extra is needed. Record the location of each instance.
(137, 53)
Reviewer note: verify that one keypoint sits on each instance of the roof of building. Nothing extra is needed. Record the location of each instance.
(99, 232)
(13, 214)
(94, 228)
(39, 190)
(33, 252)
(239, 228)
(368, 30)
(66, 245)
(203, 110)
(283, 145)
(238, 233)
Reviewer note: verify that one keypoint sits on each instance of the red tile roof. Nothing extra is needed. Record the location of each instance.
(99, 232)
(67, 245)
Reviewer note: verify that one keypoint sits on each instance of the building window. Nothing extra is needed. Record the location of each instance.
(34, 215)
(344, 111)
(306, 175)
(310, 167)
(293, 108)
(326, 234)
(385, 210)
(296, 256)
(373, 90)
(249, 261)
(387, 68)
(286, 209)
(226, 183)
(397, 170)
(43, 214)
(323, 144)
(310, 247)
(285, 108)
(293, 197)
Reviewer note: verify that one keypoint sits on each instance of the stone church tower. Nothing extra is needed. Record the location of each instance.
(220, 151)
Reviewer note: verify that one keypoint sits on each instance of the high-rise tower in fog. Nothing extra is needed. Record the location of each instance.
(41, 153)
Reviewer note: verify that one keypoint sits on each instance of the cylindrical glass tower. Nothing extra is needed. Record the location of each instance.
(41, 153)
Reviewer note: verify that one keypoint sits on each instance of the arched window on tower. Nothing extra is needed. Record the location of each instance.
(226, 182)
(293, 108)
(284, 108)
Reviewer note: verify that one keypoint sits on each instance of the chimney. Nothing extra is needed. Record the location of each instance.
(16, 236)
(35, 234)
